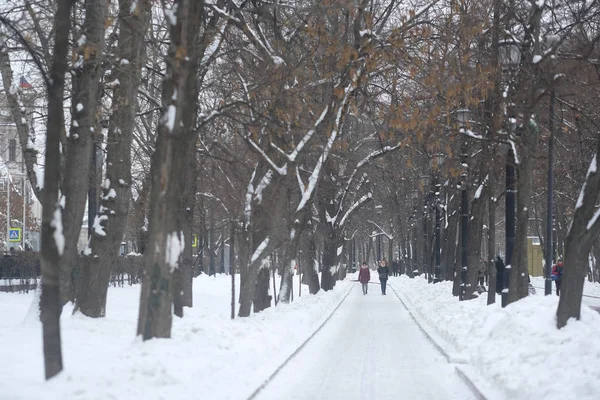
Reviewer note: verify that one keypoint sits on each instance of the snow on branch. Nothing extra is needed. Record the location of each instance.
(214, 45)
(382, 231)
(262, 45)
(248, 202)
(361, 163)
(312, 181)
(480, 188)
(355, 206)
(279, 170)
(259, 250)
(300, 183)
(264, 182)
(292, 157)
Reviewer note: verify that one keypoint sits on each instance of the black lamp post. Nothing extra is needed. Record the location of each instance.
(436, 163)
(549, 220)
(414, 196)
(462, 117)
(509, 53)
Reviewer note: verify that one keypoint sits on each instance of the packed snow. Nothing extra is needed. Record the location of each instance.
(209, 354)
(518, 350)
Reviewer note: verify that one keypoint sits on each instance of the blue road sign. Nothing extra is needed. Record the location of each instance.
(14, 235)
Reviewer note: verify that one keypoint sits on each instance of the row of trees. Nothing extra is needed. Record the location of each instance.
(295, 128)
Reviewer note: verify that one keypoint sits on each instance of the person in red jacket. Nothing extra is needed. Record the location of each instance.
(364, 276)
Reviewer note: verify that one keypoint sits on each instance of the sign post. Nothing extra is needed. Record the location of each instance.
(14, 234)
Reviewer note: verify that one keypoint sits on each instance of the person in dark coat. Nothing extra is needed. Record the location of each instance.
(395, 268)
(384, 272)
(499, 274)
(556, 275)
(364, 276)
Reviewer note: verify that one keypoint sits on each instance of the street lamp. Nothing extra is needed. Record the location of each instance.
(509, 54)
(436, 163)
(462, 117)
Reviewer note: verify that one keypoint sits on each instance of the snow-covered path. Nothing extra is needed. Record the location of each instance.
(369, 349)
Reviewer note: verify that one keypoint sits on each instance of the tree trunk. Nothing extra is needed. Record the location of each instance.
(310, 265)
(262, 299)
(451, 231)
(188, 202)
(79, 152)
(457, 265)
(112, 217)
(330, 260)
(584, 231)
(52, 235)
(519, 283)
(290, 260)
(475, 238)
(174, 138)
(232, 265)
(491, 244)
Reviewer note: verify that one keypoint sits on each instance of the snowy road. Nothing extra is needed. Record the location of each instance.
(370, 349)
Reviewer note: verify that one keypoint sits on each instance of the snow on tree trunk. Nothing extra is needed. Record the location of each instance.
(583, 232)
(291, 256)
(84, 103)
(52, 239)
(166, 239)
(105, 243)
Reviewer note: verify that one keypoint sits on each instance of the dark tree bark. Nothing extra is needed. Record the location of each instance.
(584, 231)
(232, 265)
(478, 206)
(112, 217)
(311, 275)
(262, 299)
(291, 254)
(79, 151)
(52, 235)
(174, 137)
(187, 207)
(519, 284)
(491, 244)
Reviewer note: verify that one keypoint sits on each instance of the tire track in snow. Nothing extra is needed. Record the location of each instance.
(274, 374)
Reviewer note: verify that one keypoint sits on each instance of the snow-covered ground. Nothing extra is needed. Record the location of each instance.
(517, 349)
(209, 356)
(591, 290)
(370, 349)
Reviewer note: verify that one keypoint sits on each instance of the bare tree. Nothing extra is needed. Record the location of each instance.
(109, 224)
(53, 241)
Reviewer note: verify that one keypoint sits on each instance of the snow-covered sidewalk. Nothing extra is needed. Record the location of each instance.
(369, 349)
(209, 356)
(517, 350)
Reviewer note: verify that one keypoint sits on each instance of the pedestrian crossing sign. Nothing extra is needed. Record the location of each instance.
(14, 235)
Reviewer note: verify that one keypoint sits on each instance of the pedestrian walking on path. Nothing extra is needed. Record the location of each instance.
(384, 273)
(364, 276)
(556, 275)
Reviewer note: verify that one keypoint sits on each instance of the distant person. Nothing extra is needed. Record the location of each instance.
(556, 275)
(395, 268)
(499, 274)
(364, 276)
(384, 273)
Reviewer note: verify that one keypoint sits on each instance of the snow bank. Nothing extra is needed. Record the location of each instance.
(209, 355)
(517, 349)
